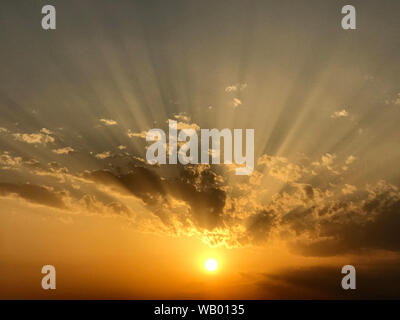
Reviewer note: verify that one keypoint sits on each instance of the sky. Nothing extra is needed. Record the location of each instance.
(76, 191)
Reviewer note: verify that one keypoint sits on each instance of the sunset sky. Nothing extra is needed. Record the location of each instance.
(76, 191)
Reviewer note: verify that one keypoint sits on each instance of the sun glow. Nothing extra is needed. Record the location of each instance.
(211, 265)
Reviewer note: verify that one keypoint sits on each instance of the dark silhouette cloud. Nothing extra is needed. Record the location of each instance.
(197, 188)
(324, 282)
(33, 193)
(370, 223)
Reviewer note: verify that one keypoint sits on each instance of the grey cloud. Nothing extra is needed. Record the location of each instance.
(92, 204)
(259, 225)
(197, 188)
(324, 282)
(33, 193)
(369, 222)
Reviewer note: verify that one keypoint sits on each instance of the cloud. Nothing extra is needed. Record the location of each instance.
(397, 101)
(43, 137)
(108, 122)
(33, 193)
(230, 88)
(350, 159)
(368, 221)
(236, 87)
(309, 205)
(259, 225)
(307, 212)
(46, 131)
(324, 282)
(137, 134)
(236, 102)
(182, 117)
(66, 150)
(9, 162)
(349, 189)
(196, 189)
(184, 122)
(92, 204)
(281, 168)
(103, 155)
(340, 114)
(327, 159)
(183, 125)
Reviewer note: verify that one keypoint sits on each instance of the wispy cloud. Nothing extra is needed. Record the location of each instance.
(66, 150)
(397, 101)
(236, 87)
(108, 122)
(35, 138)
(137, 134)
(103, 155)
(236, 102)
(340, 114)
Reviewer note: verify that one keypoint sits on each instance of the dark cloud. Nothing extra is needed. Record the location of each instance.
(33, 193)
(314, 219)
(201, 190)
(324, 282)
(197, 188)
(92, 204)
(259, 225)
(370, 223)
(310, 219)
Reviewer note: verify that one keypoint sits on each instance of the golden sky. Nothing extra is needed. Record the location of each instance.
(76, 191)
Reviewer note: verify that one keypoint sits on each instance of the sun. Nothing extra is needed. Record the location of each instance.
(211, 265)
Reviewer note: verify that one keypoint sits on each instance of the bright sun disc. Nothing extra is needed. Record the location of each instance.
(211, 265)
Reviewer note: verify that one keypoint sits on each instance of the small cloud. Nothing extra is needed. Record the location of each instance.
(109, 122)
(327, 159)
(182, 117)
(137, 134)
(183, 125)
(236, 102)
(340, 114)
(103, 155)
(348, 189)
(34, 138)
(184, 122)
(3, 130)
(66, 150)
(397, 101)
(237, 87)
(7, 161)
(46, 131)
(121, 147)
(230, 88)
(350, 159)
